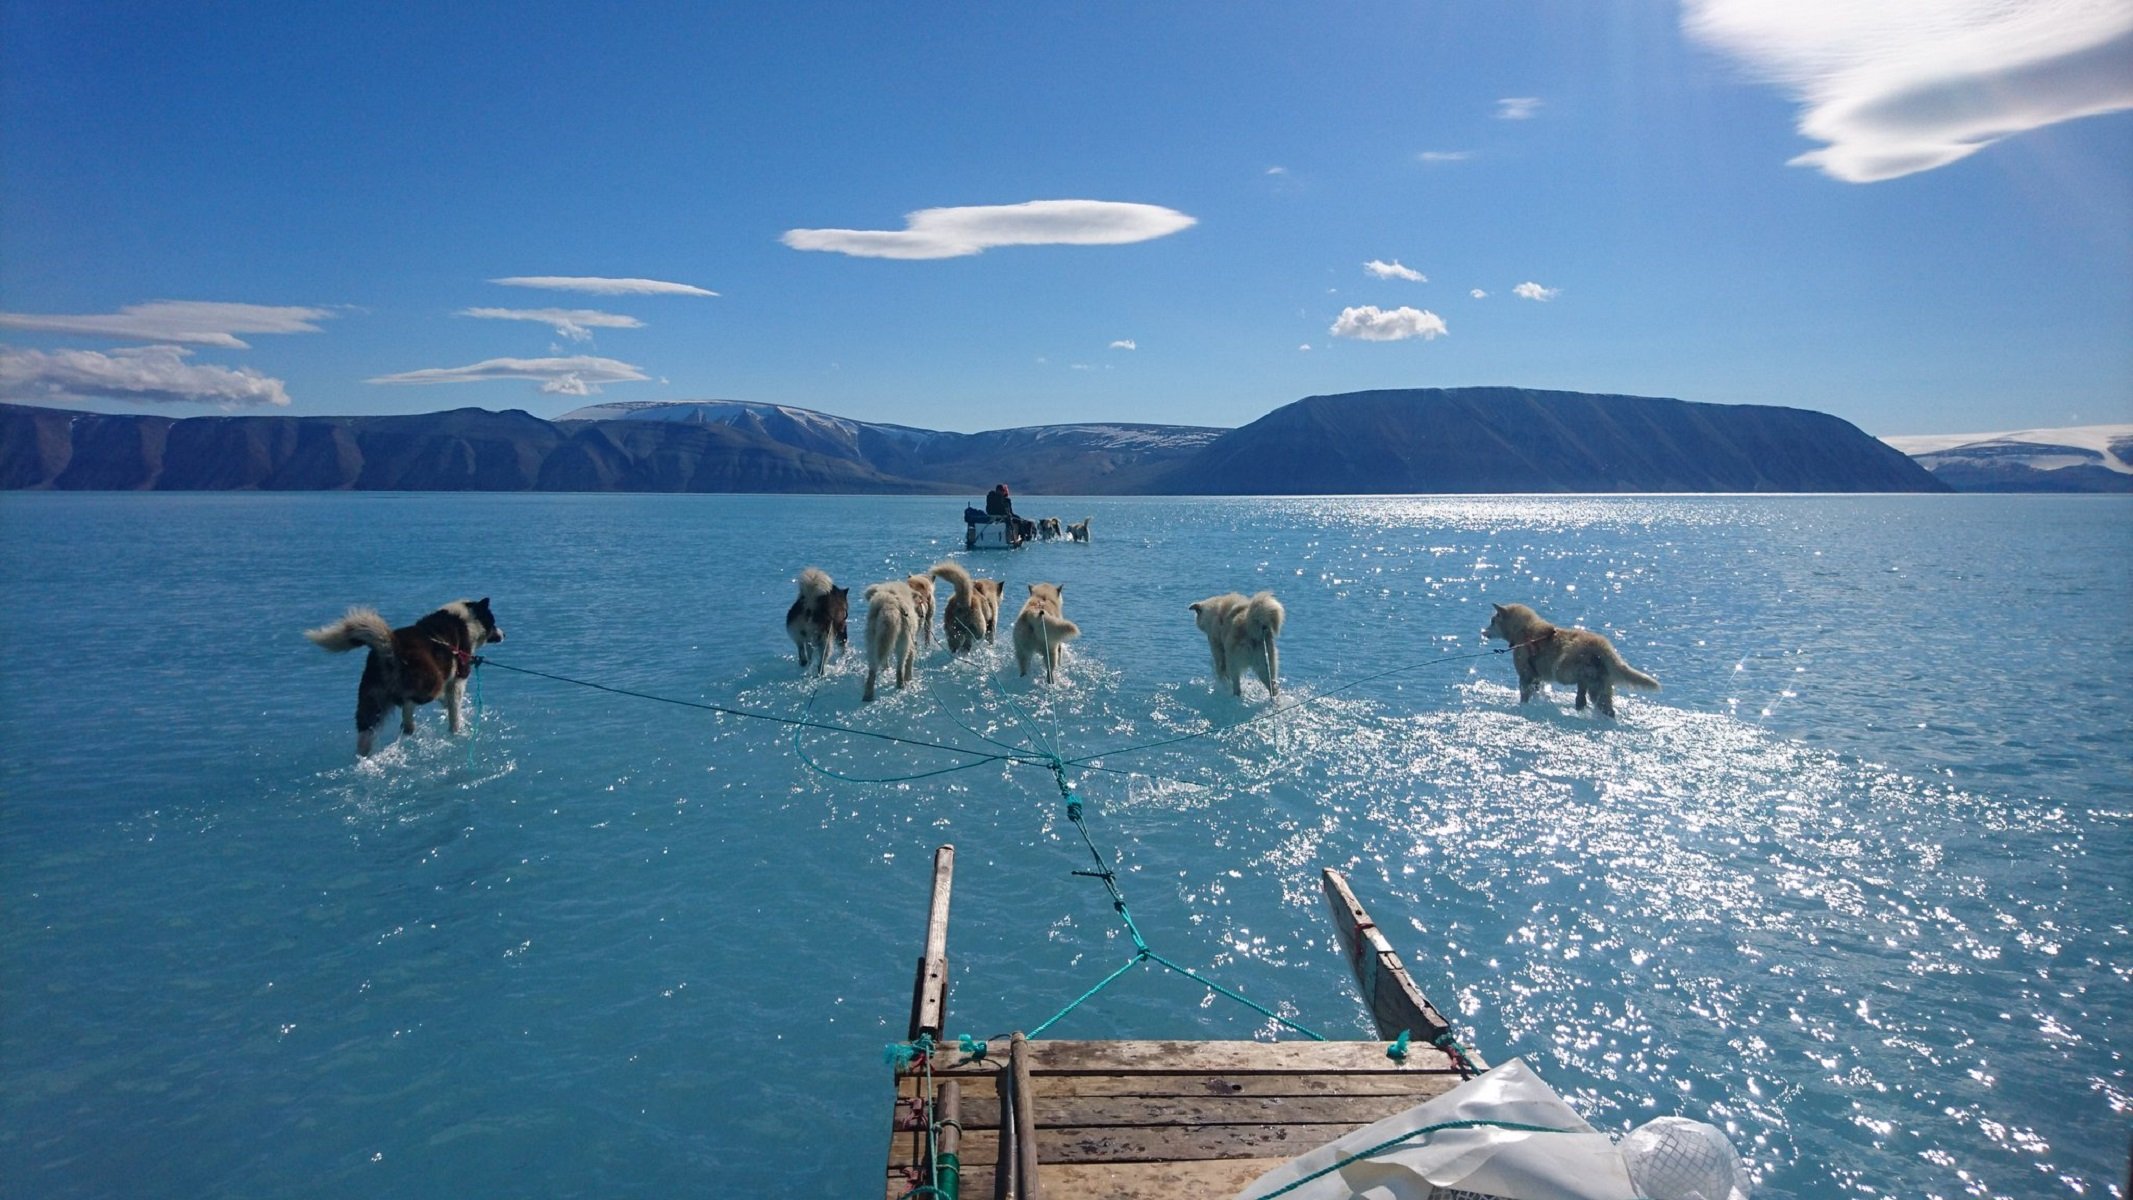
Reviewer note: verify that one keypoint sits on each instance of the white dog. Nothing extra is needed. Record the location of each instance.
(892, 632)
(1241, 635)
(1040, 630)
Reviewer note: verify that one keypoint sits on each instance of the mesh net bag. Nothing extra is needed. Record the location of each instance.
(1674, 1158)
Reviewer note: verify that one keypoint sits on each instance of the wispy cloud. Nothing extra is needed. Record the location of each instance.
(600, 285)
(1517, 108)
(1393, 270)
(1372, 324)
(1530, 290)
(578, 375)
(1478, 294)
(1277, 170)
(1125, 344)
(1897, 88)
(576, 324)
(192, 322)
(1446, 156)
(141, 374)
(956, 232)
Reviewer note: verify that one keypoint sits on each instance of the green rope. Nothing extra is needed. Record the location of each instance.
(808, 760)
(1426, 1130)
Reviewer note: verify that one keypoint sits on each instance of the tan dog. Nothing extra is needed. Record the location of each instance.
(1040, 630)
(973, 611)
(1544, 653)
(1240, 634)
(922, 601)
(1078, 531)
(892, 633)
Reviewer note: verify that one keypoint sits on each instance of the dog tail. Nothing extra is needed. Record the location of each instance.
(1263, 616)
(1057, 629)
(1624, 673)
(814, 583)
(361, 627)
(956, 575)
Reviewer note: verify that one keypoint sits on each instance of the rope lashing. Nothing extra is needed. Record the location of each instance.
(1397, 1052)
(1410, 1135)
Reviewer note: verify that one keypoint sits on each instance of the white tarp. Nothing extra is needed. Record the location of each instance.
(1581, 1164)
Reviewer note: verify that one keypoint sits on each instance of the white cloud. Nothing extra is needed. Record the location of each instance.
(193, 322)
(142, 374)
(1125, 344)
(1900, 86)
(1393, 270)
(1371, 324)
(1444, 156)
(1277, 170)
(1478, 294)
(1517, 108)
(955, 232)
(1305, 346)
(576, 324)
(600, 285)
(578, 375)
(1530, 290)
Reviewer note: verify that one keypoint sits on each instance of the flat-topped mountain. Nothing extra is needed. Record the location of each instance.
(1424, 440)
(1491, 439)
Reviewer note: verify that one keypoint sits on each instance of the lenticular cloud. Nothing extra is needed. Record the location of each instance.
(956, 232)
(577, 375)
(1372, 324)
(140, 374)
(1895, 87)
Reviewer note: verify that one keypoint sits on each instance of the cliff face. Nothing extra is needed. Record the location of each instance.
(1514, 440)
(1458, 440)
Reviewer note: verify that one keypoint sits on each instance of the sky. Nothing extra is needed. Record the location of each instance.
(1915, 215)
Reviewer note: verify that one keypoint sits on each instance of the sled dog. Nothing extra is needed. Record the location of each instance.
(892, 633)
(411, 666)
(1040, 630)
(1241, 635)
(816, 620)
(973, 612)
(1544, 653)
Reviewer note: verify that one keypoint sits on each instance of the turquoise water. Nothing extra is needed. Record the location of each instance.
(1853, 886)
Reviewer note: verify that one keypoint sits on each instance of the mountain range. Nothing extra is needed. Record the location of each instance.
(2080, 458)
(1427, 440)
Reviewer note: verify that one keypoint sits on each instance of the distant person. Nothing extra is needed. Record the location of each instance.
(998, 503)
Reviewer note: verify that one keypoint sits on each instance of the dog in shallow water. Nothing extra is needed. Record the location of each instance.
(411, 666)
(1079, 530)
(1040, 630)
(892, 633)
(973, 611)
(1048, 528)
(922, 603)
(1544, 653)
(1241, 635)
(817, 618)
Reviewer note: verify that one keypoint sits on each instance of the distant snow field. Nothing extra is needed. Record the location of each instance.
(2077, 445)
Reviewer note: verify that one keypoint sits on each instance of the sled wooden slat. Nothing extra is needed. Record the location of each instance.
(1165, 1118)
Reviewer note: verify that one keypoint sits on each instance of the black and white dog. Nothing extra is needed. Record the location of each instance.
(411, 666)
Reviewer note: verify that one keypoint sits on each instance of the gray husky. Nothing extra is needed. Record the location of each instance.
(1544, 653)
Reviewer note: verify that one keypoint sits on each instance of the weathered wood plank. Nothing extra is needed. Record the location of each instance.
(1025, 1157)
(1055, 1111)
(1182, 1058)
(1162, 1143)
(1128, 1181)
(1156, 1083)
(929, 990)
(1389, 992)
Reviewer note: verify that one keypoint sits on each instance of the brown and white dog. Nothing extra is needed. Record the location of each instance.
(1544, 653)
(922, 603)
(411, 666)
(1079, 530)
(817, 618)
(973, 611)
(1048, 528)
(1040, 630)
(892, 633)
(1241, 636)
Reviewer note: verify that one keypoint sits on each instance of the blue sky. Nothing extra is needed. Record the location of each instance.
(326, 193)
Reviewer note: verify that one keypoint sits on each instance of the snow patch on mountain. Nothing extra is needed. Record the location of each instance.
(2103, 446)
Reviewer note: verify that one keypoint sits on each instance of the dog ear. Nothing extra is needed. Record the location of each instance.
(1194, 606)
(1499, 608)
